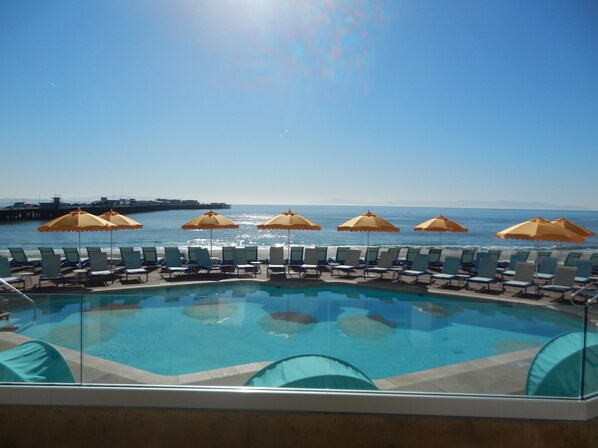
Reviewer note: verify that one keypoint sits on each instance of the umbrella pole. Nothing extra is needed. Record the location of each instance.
(79, 249)
(111, 259)
(367, 261)
(289, 248)
(211, 249)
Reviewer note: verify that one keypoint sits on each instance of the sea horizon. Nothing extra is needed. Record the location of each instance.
(163, 228)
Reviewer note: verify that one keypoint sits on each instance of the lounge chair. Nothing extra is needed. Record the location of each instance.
(418, 268)
(310, 263)
(479, 256)
(524, 277)
(396, 251)
(385, 265)
(450, 271)
(133, 266)
(594, 260)
(563, 281)
(150, 256)
(227, 256)
(19, 258)
(46, 251)
(122, 250)
(412, 252)
(52, 270)
(322, 255)
(371, 256)
(513, 261)
(276, 263)
(524, 254)
(253, 257)
(295, 257)
(434, 255)
(173, 263)
(202, 260)
(350, 265)
(241, 264)
(572, 258)
(98, 267)
(547, 268)
(544, 253)
(583, 274)
(341, 255)
(467, 259)
(6, 274)
(495, 254)
(486, 273)
(72, 257)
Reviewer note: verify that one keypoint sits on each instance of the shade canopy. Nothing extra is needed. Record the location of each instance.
(121, 222)
(440, 224)
(575, 228)
(77, 221)
(288, 221)
(539, 229)
(368, 222)
(208, 221)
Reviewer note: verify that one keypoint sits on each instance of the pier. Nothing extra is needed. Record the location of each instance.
(51, 210)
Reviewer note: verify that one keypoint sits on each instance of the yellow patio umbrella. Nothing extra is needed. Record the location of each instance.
(368, 222)
(440, 224)
(77, 221)
(121, 222)
(289, 221)
(575, 228)
(539, 229)
(210, 221)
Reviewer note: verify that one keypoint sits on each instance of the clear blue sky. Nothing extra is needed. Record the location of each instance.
(293, 102)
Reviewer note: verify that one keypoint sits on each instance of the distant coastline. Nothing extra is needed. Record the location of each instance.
(23, 211)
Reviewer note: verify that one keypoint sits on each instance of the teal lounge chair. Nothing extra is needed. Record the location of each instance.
(563, 281)
(341, 255)
(371, 256)
(72, 258)
(322, 255)
(385, 265)
(547, 268)
(132, 261)
(583, 274)
(98, 267)
(241, 264)
(524, 254)
(450, 271)
(396, 251)
(173, 263)
(418, 268)
(486, 273)
(52, 270)
(467, 259)
(412, 252)
(513, 261)
(310, 263)
(276, 262)
(46, 251)
(122, 250)
(6, 274)
(227, 256)
(594, 260)
(203, 262)
(434, 255)
(495, 254)
(150, 256)
(351, 263)
(20, 259)
(572, 258)
(524, 277)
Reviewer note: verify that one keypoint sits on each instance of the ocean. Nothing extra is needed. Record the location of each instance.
(164, 229)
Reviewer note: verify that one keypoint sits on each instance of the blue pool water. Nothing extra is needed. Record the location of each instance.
(173, 331)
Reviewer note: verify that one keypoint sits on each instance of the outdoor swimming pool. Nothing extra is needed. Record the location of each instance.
(173, 331)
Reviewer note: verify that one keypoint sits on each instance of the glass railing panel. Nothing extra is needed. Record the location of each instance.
(590, 361)
(41, 343)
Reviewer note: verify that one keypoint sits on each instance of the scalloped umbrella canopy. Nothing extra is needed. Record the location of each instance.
(289, 221)
(575, 228)
(368, 222)
(121, 222)
(440, 224)
(77, 221)
(539, 229)
(210, 221)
